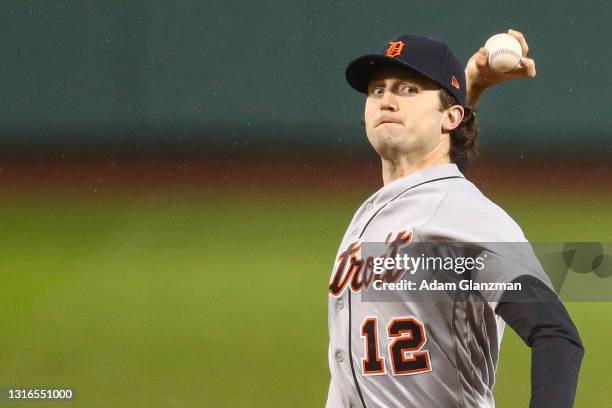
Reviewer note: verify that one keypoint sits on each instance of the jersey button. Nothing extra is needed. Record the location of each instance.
(369, 206)
(340, 304)
(339, 357)
(356, 231)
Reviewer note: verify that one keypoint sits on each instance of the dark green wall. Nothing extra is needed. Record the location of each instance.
(271, 73)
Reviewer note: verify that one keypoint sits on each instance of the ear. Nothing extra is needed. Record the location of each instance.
(452, 117)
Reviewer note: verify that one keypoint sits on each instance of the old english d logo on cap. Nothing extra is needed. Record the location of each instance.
(395, 49)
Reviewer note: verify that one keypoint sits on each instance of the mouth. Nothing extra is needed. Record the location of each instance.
(387, 120)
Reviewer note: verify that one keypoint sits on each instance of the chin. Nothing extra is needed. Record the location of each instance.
(389, 143)
(391, 147)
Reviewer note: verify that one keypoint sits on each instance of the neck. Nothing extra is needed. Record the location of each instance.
(398, 167)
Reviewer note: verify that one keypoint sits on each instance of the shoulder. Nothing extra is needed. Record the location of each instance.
(464, 213)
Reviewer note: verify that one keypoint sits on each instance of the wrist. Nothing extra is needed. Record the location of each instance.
(474, 93)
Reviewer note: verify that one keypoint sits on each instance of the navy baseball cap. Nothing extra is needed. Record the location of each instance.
(428, 57)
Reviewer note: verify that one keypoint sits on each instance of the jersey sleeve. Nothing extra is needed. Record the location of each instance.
(541, 320)
(480, 231)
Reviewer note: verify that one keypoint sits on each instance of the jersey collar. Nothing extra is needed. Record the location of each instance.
(389, 191)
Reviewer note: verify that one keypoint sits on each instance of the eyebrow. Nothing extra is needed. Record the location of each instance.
(395, 79)
(412, 81)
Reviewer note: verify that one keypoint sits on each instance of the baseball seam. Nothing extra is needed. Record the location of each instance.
(504, 51)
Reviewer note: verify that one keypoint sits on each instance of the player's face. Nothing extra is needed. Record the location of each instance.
(403, 115)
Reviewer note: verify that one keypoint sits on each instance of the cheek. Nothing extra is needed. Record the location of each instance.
(369, 114)
(430, 122)
(423, 118)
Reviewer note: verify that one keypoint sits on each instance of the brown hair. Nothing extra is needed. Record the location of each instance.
(463, 138)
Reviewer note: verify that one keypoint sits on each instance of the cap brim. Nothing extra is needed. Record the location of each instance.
(360, 71)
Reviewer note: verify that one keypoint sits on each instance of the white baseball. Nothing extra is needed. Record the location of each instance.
(504, 52)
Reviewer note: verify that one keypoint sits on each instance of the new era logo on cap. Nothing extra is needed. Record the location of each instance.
(455, 83)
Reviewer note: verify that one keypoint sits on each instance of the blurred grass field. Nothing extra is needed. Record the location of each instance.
(182, 300)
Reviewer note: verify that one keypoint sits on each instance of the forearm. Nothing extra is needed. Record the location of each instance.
(474, 93)
(555, 363)
(540, 319)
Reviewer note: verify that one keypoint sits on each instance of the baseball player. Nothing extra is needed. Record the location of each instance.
(403, 350)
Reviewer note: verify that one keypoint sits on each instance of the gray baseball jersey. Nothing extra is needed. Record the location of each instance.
(408, 352)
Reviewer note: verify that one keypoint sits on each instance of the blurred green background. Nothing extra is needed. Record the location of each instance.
(176, 177)
(235, 74)
(216, 301)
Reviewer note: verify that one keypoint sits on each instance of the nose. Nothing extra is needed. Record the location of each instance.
(388, 102)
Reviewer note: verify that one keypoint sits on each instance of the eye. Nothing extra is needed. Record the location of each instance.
(408, 90)
(378, 91)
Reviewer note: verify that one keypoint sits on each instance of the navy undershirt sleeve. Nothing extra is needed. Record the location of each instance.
(537, 315)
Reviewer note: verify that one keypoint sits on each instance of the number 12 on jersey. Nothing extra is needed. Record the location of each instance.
(406, 337)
